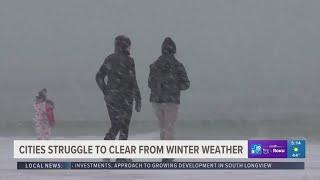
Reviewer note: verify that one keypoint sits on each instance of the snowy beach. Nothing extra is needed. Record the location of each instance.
(252, 67)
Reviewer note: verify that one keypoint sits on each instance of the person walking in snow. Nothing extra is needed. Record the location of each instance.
(121, 89)
(167, 78)
(44, 115)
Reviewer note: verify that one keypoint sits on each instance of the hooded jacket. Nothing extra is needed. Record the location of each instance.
(167, 76)
(119, 67)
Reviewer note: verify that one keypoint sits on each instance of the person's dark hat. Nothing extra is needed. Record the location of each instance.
(42, 93)
(122, 43)
(168, 46)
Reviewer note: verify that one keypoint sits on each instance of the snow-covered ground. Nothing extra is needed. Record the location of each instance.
(8, 169)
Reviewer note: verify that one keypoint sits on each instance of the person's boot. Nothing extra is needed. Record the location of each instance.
(167, 160)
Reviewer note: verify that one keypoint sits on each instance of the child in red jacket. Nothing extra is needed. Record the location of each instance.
(44, 115)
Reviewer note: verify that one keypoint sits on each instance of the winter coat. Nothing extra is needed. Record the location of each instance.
(167, 78)
(119, 67)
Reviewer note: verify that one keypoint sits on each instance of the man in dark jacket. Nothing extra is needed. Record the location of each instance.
(121, 88)
(166, 79)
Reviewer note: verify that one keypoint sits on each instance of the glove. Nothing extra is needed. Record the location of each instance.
(138, 105)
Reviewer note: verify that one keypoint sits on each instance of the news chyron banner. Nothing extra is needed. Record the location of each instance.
(130, 149)
(186, 150)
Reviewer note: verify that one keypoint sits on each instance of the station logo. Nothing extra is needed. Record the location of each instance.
(256, 149)
(267, 149)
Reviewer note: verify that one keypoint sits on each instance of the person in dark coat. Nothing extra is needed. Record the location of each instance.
(121, 90)
(167, 78)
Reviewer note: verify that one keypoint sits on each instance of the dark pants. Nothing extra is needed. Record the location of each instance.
(120, 112)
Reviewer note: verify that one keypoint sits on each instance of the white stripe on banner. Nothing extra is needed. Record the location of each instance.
(63, 149)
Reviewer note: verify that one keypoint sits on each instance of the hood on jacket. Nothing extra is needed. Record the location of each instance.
(122, 44)
(42, 93)
(168, 46)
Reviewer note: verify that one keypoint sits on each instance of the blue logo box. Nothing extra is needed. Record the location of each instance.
(296, 148)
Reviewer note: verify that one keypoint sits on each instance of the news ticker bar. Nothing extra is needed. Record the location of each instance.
(87, 149)
(159, 165)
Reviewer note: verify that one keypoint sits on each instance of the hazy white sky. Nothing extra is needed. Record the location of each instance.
(243, 57)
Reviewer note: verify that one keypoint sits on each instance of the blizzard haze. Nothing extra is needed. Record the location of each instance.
(245, 59)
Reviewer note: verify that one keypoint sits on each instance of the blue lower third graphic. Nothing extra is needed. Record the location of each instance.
(296, 148)
(158, 165)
